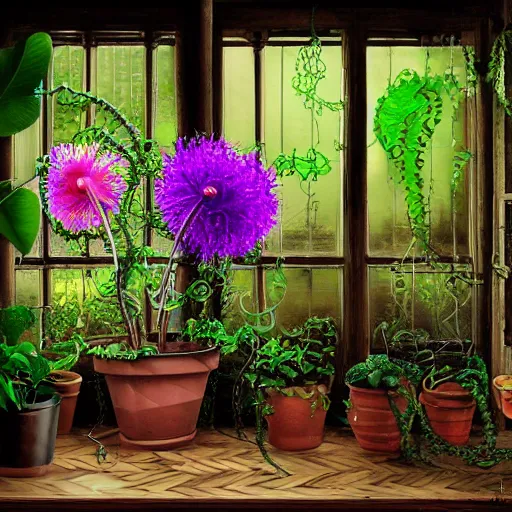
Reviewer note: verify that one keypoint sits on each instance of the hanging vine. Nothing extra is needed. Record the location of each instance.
(496, 70)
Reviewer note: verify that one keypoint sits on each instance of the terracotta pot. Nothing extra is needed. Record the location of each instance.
(372, 419)
(502, 387)
(157, 399)
(450, 410)
(292, 427)
(28, 438)
(67, 385)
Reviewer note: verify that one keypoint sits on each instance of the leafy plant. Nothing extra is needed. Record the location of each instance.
(288, 364)
(14, 321)
(122, 351)
(68, 352)
(496, 70)
(205, 332)
(22, 370)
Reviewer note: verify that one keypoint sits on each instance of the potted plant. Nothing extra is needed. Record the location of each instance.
(502, 386)
(208, 198)
(64, 381)
(377, 386)
(289, 377)
(449, 406)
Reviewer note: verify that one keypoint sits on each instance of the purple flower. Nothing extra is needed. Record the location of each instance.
(234, 191)
(73, 171)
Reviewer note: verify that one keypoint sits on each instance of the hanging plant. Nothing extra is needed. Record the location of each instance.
(404, 124)
(312, 165)
(496, 71)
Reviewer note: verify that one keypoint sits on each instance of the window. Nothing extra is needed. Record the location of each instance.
(135, 72)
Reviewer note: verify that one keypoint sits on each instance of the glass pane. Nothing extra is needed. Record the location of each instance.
(390, 233)
(77, 306)
(442, 304)
(239, 115)
(243, 289)
(310, 212)
(309, 292)
(28, 293)
(165, 119)
(121, 79)
(68, 68)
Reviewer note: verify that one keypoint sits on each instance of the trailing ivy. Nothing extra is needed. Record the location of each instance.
(404, 124)
(313, 164)
(496, 70)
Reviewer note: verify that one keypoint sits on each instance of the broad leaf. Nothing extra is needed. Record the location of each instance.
(22, 70)
(19, 218)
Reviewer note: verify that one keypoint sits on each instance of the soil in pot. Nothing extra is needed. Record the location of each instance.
(157, 399)
(372, 419)
(450, 410)
(296, 424)
(28, 438)
(67, 385)
(502, 385)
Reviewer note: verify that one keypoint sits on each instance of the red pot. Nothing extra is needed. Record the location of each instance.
(157, 399)
(293, 426)
(503, 396)
(450, 410)
(67, 385)
(372, 419)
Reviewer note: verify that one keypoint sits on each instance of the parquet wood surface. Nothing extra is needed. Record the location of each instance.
(218, 469)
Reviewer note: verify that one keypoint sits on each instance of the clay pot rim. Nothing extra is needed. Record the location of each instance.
(499, 386)
(371, 391)
(73, 377)
(447, 395)
(445, 407)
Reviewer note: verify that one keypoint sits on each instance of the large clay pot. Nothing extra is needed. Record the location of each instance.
(372, 419)
(67, 385)
(294, 425)
(502, 385)
(27, 438)
(450, 410)
(157, 399)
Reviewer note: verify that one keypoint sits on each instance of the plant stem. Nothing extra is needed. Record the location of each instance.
(133, 334)
(163, 292)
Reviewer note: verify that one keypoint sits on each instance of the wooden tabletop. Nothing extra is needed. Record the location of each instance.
(219, 472)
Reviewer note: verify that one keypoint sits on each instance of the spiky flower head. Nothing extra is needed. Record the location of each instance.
(226, 197)
(76, 175)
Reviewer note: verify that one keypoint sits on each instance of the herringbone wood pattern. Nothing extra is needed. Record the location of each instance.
(217, 467)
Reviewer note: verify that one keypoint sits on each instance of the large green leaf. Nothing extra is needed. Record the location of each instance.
(22, 70)
(20, 213)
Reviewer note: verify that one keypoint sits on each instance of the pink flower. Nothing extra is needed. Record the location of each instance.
(73, 171)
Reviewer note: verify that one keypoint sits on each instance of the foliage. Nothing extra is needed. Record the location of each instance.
(22, 370)
(404, 124)
(289, 364)
(14, 321)
(22, 69)
(314, 164)
(68, 351)
(379, 372)
(496, 70)
(311, 69)
(460, 161)
(122, 351)
(205, 332)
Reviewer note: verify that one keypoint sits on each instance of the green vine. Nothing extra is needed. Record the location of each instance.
(496, 70)
(314, 164)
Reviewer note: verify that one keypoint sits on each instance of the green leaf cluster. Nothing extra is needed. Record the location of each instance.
(14, 321)
(122, 351)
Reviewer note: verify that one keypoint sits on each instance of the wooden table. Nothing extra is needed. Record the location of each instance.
(218, 472)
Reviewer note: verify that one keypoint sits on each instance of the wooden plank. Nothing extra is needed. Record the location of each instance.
(7, 283)
(218, 472)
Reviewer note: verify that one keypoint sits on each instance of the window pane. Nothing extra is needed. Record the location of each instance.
(442, 305)
(77, 305)
(165, 120)
(239, 96)
(310, 212)
(68, 68)
(390, 233)
(309, 292)
(28, 293)
(244, 289)
(121, 79)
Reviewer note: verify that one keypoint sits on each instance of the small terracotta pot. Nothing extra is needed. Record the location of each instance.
(67, 385)
(157, 399)
(372, 419)
(293, 426)
(450, 410)
(503, 396)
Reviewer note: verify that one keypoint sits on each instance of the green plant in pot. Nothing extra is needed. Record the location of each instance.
(208, 196)
(289, 377)
(377, 386)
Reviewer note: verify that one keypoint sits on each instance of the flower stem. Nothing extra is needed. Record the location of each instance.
(163, 292)
(133, 333)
